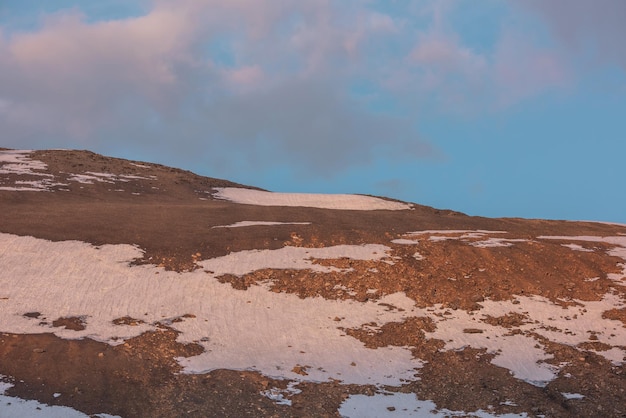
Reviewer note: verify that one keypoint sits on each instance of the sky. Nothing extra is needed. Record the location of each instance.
(495, 108)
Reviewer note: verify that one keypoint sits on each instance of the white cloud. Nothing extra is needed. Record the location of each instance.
(153, 82)
(261, 80)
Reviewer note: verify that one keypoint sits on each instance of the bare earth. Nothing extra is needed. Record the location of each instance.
(171, 216)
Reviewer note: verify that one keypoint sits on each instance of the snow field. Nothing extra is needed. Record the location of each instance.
(322, 201)
(275, 332)
(253, 329)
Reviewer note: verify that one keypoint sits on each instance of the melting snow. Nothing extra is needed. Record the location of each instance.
(89, 177)
(259, 223)
(404, 241)
(523, 354)
(618, 251)
(322, 201)
(577, 247)
(496, 242)
(281, 396)
(461, 234)
(19, 163)
(298, 258)
(468, 233)
(274, 332)
(394, 404)
(572, 395)
(253, 329)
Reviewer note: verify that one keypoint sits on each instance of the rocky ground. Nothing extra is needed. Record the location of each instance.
(477, 315)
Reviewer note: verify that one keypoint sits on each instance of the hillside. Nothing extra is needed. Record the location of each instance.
(134, 289)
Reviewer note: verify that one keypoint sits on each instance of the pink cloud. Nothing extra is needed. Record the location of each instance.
(522, 70)
(246, 77)
(595, 29)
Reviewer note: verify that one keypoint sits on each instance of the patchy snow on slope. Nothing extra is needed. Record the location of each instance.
(466, 233)
(89, 177)
(19, 163)
(322, 201)
(496, 242)
(411, 238)
(577, 247)
(297, 258)
(522, 354)
(618, 251)
(277, 334)
(404, 241)
(241, 224)
(253, 329)
(281, 396)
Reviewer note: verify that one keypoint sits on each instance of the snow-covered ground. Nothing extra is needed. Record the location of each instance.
(89, 177)
(279, 334)
(19, 163)
(253, 329)
(393, 404)
(322, 201)
(274, 332)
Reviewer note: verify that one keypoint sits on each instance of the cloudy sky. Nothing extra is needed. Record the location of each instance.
(490, 107)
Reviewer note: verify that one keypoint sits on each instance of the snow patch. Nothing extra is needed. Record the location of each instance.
(496, 242)
(253, 329)
(19, 163)
(89, 177)
(576, 247)
(322, 201)
(296, 258)
(394, 404)
(522, 354)
(618, 251)
(467, 232)
(567, 395)
(404, 241)
(259, 223)
(282, 396)
(463, 235)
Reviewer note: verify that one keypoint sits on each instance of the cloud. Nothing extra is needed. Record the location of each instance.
(72, 77)
(522, 69)
(238, 83)
(595, 29)
(153, 83)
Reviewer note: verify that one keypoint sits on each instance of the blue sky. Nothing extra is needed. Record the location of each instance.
(493, 108)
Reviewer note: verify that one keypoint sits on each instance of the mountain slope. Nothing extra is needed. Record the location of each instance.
(134, 289)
